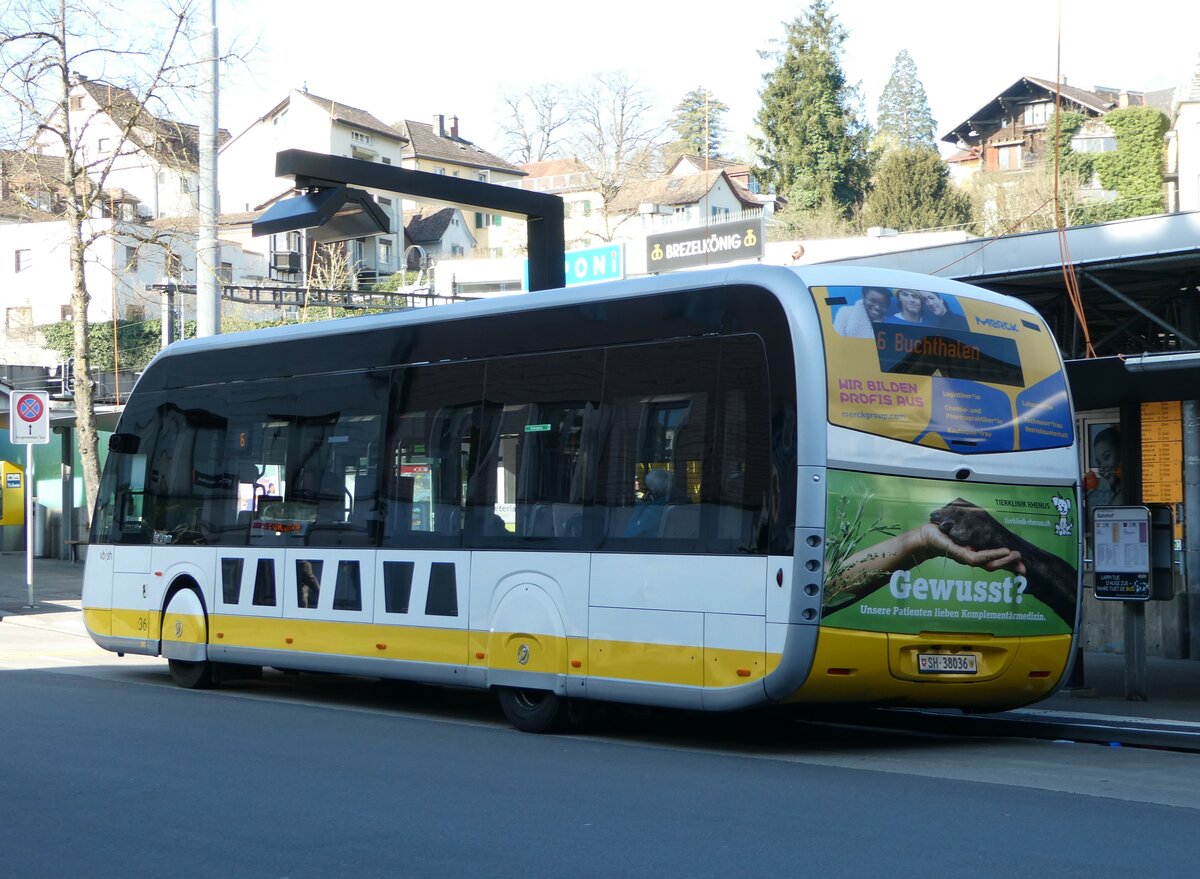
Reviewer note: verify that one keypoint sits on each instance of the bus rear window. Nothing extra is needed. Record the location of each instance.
(941, 370)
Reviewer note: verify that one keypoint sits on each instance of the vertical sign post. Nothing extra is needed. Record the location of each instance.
(29, 425)
(1122, 571)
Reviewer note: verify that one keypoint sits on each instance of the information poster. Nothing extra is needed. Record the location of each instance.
(1122, 553)
(941, 370)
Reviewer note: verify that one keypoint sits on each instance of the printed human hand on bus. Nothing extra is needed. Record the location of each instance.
(1051, 580)
(869, 569)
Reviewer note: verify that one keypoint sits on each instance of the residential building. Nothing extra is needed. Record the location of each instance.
(153, 161)
(438, 148)
(1183, 146)
(1010, 130)
(584, 220)
(124, 265)
(682, 199)
(246, 174)
(441, 234)
(739, 173)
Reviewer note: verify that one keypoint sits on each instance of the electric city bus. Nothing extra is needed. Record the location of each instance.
(706, 490)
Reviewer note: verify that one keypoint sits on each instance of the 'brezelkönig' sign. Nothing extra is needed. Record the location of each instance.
(705, 246)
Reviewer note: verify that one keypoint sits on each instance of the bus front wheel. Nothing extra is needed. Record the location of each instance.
(534, 711)
(191, 675)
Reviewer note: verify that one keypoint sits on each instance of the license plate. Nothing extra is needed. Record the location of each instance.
(947, 663)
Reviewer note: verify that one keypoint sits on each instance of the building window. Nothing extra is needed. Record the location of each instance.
(19, 323)
(439, 171)
(185, 185)
(130, 262)
(1094, 144)
(225, 273)
(386, 160)
(385, 251)
(103, 145)
(21, 260)
(483, 176)
(76, 102)
(480, 220)
(360, 137)
(1008, 158)
(719, 211)
(1037, 114)
(456, 250)
(587, 208)
(383, 202)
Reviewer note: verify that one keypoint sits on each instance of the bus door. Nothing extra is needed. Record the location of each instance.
(422, 573)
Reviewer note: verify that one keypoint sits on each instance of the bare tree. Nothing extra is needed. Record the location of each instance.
(536, 122)
(45, 48)
(619, 138)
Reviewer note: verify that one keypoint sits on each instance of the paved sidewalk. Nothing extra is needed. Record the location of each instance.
(1173, 684)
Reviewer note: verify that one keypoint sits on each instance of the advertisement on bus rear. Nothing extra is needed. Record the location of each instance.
(925, 555)
(945, 371)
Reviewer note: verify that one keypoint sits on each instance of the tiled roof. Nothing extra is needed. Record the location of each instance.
(175, 143)
(713, 164)
(26, 180)
(680, 189)
(1101, 103)
(422, 229)
(425, 143)
(355, 117)
(553, 167)
(996, 109)
(968, 155)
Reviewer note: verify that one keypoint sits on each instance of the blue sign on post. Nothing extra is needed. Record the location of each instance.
(605, 263)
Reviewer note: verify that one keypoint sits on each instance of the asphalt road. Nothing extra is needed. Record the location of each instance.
(106, 769)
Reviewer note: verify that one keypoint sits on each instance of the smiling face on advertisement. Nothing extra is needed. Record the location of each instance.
(934, 303)
(876, 303)
(910, 304)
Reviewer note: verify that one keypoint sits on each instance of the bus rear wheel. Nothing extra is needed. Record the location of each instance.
(191, 675)
(534, 711)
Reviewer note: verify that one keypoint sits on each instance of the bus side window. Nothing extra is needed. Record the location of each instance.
(657, 456)
(433, 443)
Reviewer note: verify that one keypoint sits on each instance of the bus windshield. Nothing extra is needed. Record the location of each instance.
(941, 370)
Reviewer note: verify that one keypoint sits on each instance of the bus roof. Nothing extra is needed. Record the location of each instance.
(753, 273)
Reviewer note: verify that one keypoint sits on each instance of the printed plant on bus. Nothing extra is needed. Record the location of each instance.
(846, 535)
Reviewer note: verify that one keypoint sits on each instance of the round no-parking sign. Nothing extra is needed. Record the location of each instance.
(29, 418)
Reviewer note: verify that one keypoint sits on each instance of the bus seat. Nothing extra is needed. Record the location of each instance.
(618, 520)
(540, 522)
(568, 520)
(680, 521)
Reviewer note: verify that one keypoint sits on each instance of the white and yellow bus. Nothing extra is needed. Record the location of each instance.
(709, 490)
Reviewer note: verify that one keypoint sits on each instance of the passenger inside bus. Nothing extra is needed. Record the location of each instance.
(656, 486)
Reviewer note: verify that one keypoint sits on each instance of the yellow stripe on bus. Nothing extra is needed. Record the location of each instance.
(683, 665)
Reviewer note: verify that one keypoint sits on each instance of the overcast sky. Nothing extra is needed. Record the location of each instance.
(400, 60)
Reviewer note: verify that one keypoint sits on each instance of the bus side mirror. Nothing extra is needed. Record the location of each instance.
(126, 443)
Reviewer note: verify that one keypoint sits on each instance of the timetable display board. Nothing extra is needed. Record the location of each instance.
(1122, 553)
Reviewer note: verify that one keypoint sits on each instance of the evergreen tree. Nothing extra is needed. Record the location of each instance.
(913, 191)
(813, 147)
(697, 125)
(903, 117)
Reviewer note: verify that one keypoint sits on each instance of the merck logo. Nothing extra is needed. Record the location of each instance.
(995, 324)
